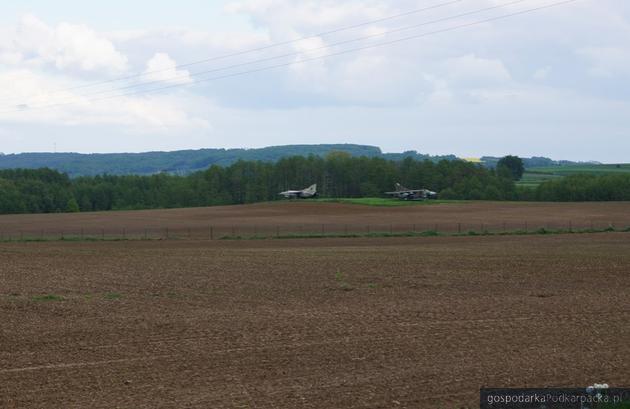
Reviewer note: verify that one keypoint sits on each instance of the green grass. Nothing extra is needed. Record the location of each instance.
(386, 202)
(47, 298)
(112, 296)
(533, 179)
(430, 233)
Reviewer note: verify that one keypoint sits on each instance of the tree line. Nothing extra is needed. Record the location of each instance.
(337, 175)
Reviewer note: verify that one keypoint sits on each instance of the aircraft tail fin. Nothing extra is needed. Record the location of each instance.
(311, 189)
(400, 188)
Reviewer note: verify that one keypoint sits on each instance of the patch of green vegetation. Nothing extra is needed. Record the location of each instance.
(535, 176)
(386, 202)
(594, 169)
(340, 278)
(531, 179)
(372, 286)
(47, 298)
(112, 296)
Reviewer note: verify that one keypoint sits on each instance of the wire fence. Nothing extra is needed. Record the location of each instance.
(223, 232)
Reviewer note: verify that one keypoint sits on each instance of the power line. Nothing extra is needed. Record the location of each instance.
(356, 39)
(382, 44)
(252, 50)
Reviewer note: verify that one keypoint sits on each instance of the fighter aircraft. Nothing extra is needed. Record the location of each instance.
(403, 193)
(307, 193)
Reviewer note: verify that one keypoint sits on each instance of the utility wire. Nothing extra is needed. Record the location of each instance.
(253, 50)
(297, 53)
(382, 44)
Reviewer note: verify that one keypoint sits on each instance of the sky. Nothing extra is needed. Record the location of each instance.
(435, 76)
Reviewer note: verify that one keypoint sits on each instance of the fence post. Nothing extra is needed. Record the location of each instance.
(323, 229)
(277, 231)
(102, 234)
(211, 232)
(526, 227)
(459, 228)
(124, 233)
(570, 226)
(166, 233)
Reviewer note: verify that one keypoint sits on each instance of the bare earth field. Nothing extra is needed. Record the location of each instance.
(312, 217)
(320, 323)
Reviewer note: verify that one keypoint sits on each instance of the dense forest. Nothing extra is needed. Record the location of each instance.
(337, 174)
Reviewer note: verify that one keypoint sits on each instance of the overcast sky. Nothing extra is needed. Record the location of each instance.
(555, 82)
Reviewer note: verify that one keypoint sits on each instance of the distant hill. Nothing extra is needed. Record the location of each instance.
(188, 161)
(536, 162)
(182, 162)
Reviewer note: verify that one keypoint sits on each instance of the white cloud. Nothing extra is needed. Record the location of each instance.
(39, 101)
(542, 73)
(470, 69)
(607, 61)
(162, 68)
(64, 46)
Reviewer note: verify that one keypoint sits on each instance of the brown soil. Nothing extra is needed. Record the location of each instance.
(321, 323)
(309, 217)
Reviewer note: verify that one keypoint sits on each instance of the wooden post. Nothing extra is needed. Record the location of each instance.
(459, 228)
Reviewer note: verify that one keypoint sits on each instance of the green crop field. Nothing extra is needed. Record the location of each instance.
(535, 176)
(574, 169)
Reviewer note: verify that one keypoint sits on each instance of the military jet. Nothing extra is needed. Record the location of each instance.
(307, 193)
(403, 193)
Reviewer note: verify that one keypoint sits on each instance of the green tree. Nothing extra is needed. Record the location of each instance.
(72, 206)
(512, 163)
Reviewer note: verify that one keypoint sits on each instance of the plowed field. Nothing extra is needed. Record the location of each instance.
(311, 217)
(319, 323)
